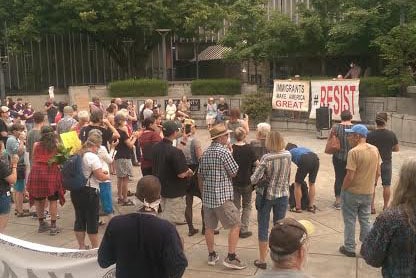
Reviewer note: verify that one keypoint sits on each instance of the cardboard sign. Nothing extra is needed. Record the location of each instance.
(70, 140)
(339, 95)
(51, 92)
(291, 95)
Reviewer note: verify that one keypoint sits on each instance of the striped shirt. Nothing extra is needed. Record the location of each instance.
(216, 168)
(275, 168)
(342, 136)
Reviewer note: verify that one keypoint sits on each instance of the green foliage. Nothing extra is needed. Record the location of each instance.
(61, 156)
(138, 88)
(257, 106)
(398, 50)
(216, 87)
(375, 87)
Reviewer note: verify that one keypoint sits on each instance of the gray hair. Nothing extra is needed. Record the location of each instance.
(263, 129)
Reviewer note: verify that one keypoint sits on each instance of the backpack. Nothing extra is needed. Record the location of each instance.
(73, 178)
(305, 196)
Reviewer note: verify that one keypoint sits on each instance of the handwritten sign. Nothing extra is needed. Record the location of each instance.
(291, 95)
(339, 95)
(70, 140)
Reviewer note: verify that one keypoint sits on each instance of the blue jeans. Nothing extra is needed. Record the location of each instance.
(5, 203)
(279, 207)
(353, 205)
(106, 197)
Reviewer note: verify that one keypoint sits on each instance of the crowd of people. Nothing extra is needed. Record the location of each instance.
(175, 169)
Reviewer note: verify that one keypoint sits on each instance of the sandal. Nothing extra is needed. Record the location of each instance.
(102, 223)
(23, 214)
(297, 210)
(129, 193)
(312, 209)
(259, 264)
(127, 203)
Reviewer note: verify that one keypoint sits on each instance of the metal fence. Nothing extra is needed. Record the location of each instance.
(61, 61)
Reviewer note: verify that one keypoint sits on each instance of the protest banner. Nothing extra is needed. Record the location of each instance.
(23, 259)
(339, 95)
(291, 95)
(70, 140)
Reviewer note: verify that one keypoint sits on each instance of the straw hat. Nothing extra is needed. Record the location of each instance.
(218, 131)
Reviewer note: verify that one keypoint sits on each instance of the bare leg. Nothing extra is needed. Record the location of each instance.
(233, 237)
(40, 208)
(3, 222)
(19, 202)
(124, 188)
(209, 238)
(386, 196)
(311, 194)
(298, 195)
(80, 239)
(263, 247)
(119, 193)
(53, 209)
(94, 240)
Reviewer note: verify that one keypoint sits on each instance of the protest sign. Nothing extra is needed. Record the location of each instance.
(23, 259)
(51, 92)
(70, 140)
(291, 95)
(339, 95)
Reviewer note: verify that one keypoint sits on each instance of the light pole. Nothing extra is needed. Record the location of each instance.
(3, 61)
(163, 33)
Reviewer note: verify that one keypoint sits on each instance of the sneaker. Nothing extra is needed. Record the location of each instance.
(43, 227)
(54, 231)
(213, 259)
(234, 264)
(245, 234)
(345, 252)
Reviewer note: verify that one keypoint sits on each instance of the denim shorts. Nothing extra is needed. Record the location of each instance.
(19, 186)
(5, 201)
(386, 172)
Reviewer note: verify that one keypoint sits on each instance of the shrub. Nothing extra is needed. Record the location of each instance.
(375, 87)
(257, 106)
(138, 88)
(216, 87)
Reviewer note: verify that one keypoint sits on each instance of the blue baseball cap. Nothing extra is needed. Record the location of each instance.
(359, 129)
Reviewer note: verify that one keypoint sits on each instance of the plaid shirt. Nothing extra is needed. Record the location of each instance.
(274, 168)
(216, 168)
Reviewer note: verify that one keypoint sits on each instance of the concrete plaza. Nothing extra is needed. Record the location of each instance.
(324, 260)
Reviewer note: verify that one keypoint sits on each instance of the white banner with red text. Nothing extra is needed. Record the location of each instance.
(339, 95)
(292, 95)
(23, 259)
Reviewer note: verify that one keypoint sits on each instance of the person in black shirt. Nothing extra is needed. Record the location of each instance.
(222, 111)
(169, 165)
(106, 128)
(386, 143)
(4, 117)
(141, 244)
(246, 159)
(8, 176)
(51, 110)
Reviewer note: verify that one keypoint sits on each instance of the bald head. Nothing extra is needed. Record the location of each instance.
(148, 188)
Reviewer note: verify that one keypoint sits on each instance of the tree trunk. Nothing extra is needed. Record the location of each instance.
(323, 65)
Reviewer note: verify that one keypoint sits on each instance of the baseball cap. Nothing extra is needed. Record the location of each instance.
(359, 129)
(169, 127)
(288, 235)
(4, 109)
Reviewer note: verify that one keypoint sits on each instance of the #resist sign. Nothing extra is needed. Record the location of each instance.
(291, 95)
(339, 95)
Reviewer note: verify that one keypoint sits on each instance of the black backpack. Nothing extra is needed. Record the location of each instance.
(305, 196)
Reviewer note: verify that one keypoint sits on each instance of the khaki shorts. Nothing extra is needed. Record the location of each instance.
(173, 209)
(227, 214)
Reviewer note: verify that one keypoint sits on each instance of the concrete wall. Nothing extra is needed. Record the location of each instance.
(370, 106)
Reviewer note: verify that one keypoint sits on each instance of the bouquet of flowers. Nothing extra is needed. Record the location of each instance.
(61, 156)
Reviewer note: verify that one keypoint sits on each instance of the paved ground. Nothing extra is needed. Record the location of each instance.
(323, 260)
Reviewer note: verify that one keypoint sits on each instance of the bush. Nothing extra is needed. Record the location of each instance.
(138, 88)
(257, 106)
(375, 87)
(216, 87)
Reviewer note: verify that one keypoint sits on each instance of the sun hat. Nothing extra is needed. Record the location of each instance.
(4, 109)
(218, 131)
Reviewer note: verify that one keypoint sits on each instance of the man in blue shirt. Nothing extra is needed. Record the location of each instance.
(308, 164)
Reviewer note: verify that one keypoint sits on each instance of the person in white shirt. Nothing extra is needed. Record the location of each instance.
(170, 110)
